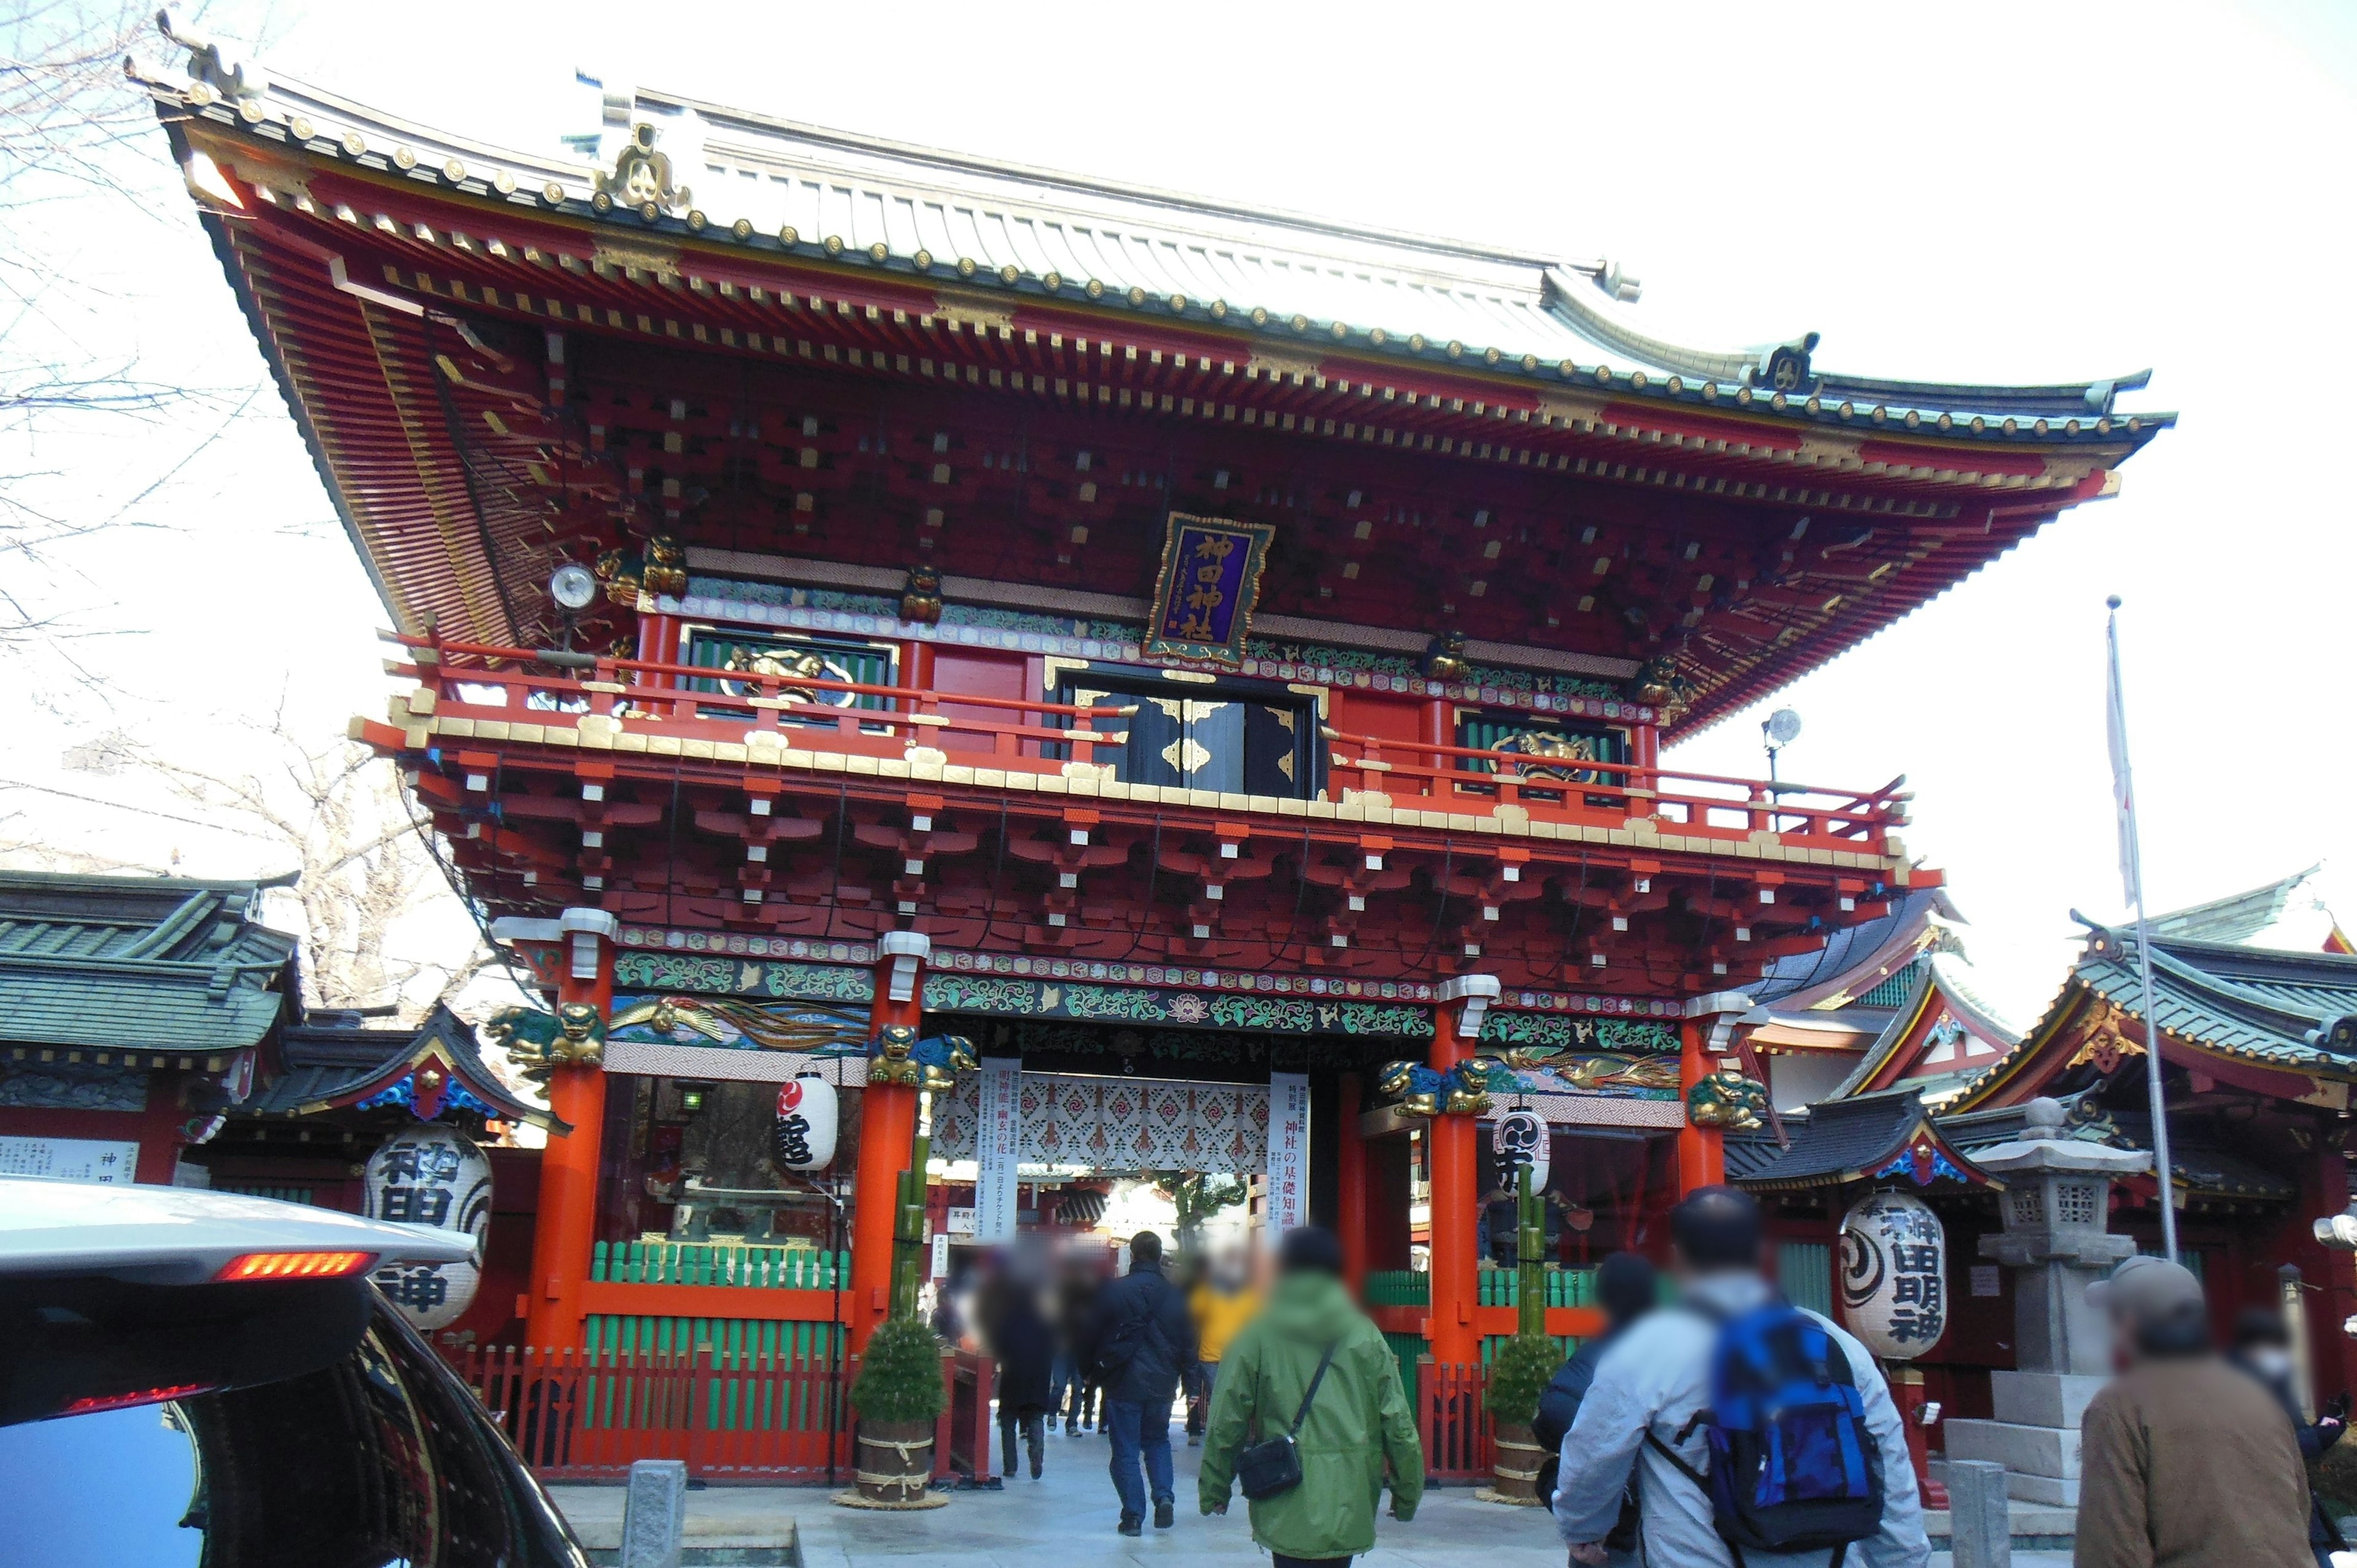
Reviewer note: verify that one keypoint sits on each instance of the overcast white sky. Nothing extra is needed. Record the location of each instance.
(1994, 192)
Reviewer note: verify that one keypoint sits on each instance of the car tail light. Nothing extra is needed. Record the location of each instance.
(295, 1265)
(139, 1396)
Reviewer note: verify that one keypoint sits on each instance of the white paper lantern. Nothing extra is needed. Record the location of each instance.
(1894, 1276)
(433, 1176)
(803, 1137)
(1522, 1138)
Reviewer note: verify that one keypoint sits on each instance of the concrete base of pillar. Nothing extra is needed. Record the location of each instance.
(2041, 1462)
(2043, 1399)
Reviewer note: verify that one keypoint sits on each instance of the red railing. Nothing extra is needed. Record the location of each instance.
(510, 687)
(1450, 1422)
(574, 1417)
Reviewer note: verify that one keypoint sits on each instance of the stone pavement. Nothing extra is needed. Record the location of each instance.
(1066, 1521)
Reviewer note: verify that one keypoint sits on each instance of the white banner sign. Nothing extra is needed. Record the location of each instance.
(1289, 1154)
(69, 1159)
(998, 1134)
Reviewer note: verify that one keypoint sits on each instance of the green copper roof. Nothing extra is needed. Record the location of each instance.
(138, 962)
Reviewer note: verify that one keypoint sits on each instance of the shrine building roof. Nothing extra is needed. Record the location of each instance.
(1872, 1137)
(143, 965)
(1642, 499)
(328, 1065)
(2288, 1017)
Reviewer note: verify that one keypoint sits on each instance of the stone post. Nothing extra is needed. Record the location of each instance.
(655, 1514)
(2056, 1203)
(1980, 1519)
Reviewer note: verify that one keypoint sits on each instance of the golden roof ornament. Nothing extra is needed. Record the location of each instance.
(640, 180)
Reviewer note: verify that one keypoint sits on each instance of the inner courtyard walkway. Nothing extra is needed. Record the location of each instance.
(1066, 1521)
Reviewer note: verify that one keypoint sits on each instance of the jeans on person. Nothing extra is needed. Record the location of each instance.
(1140, 1432)
(1007, 1423)
(1063, 1374)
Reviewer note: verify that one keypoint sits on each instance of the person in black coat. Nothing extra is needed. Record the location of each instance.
(1626, 1290)
(2263, 1348)
(1076, 1311)
(1025, 1347)
(1141, 1338)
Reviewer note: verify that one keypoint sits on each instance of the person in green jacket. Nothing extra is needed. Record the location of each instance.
(1359, 1423)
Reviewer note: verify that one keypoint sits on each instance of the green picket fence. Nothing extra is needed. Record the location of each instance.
(1398, 1287)
(1564, 1287)
(685, 1264)
(780, 1368)
(1566, 1343)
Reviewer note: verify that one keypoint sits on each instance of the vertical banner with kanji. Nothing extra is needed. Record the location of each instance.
(997, 1136)
(1289, 1154)
(1211, 579)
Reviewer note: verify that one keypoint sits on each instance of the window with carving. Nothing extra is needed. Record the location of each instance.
(2025, 1207)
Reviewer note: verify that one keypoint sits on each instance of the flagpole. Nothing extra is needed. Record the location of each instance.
(2132, 856)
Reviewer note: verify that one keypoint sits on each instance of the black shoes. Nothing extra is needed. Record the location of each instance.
(1130, 1525)
(1162, 1514)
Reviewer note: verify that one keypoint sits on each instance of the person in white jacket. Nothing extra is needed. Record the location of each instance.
(1657, 1375)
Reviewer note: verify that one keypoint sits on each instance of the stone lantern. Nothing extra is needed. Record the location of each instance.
(2056, 1202)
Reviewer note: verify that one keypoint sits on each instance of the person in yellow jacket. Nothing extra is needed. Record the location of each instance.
(1222, 1301)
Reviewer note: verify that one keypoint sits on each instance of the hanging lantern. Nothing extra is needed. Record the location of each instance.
(803, 1139)
(1521, 1138)
(435, 1178)
(1894, 1276)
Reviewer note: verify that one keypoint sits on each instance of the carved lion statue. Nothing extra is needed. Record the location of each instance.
(1727, 1099)
(539, 1042)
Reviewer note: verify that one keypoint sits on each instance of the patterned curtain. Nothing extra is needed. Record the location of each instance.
(1119, 1124)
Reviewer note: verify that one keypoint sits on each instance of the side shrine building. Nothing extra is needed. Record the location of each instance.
(1215, 661)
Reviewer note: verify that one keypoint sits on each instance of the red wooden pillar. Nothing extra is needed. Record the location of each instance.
(2332, 1274)
(1456, 1190)
(887, 1128)
(1351, 1183)
(1701, 1157)
(566, 1225)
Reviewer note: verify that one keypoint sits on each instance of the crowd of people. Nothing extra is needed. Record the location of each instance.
(1726, 1427)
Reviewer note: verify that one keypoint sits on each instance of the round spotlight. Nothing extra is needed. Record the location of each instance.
(573, 586)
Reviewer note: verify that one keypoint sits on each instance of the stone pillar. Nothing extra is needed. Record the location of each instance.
(1980, 1520)
(655, 1514)
(887, 1126)
(2056, 1204)
(566, 1225)
(1456, 1189)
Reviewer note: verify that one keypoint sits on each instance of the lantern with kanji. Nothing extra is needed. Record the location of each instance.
(432, 1176)
(1894, 1276)
(803, 1137)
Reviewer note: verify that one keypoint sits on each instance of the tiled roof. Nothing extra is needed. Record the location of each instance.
(1851, 956)
(328, 1067)
(2241, 1002)
(2235, 919)
(767, 185)
(138, 962)
(1840, 1139)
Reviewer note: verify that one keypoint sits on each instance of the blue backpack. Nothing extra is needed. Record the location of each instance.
(1792, 1468)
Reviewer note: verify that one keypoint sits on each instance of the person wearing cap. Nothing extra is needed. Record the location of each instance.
(1357, 1425)
(2184, 1461)
(1655, 1379)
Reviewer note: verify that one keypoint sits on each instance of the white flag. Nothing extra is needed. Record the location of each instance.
(2115, 735)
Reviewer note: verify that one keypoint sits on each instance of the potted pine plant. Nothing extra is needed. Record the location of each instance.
(899, 1398)
(1518, 1376)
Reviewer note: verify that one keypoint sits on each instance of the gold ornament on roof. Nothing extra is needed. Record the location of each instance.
(641, 177)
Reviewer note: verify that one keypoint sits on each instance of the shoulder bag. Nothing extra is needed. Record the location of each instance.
(1273, 1465)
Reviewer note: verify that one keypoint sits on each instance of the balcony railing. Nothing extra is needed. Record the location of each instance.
(500, 690)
